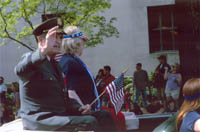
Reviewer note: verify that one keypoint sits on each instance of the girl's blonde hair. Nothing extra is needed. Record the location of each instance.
(71, 45)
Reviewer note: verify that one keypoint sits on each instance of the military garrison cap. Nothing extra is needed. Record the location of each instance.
(48, 24)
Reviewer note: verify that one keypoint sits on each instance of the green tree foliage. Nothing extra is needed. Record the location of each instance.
(87, 14)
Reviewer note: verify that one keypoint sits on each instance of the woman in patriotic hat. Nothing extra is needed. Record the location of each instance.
(188, 119)
(79, 80)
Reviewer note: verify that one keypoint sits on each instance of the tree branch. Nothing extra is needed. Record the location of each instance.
(27, 20)
(44, 9)
(26, 17)
(57, 7)
(9, 36)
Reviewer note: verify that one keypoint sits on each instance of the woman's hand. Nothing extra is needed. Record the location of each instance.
(85, 109)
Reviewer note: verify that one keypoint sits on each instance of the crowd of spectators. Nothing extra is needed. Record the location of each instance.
(167, 81)
(9, 101)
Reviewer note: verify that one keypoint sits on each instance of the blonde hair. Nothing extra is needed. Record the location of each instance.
(190, 88)
(71, 45)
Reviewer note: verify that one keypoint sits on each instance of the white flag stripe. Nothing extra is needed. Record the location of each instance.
(112, 101)
(116, 93)
(119, 96)
(121, 93)
(58, 57)
(120, 103)
(112, 98)
(110, 94)
(111, 88)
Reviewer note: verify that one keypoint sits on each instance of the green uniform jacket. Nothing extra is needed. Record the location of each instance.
(45, 104)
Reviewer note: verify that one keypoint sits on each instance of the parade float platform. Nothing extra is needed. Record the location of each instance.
(153, 122)
(139, 123)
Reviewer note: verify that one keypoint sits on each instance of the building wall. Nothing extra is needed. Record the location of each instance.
(131, 47)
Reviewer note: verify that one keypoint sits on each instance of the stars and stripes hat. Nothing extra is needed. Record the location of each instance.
(79, 34)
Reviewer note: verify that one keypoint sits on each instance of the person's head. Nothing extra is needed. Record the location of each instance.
(154, 100)
(41, 34)
(74, 41)
(100, 72)
(15, 86)
(191, 93)
(1, 80)
(138, 66)
(162, 59)
(171, 105)
(176, 68)
(107, 70)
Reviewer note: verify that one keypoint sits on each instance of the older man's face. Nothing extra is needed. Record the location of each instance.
(55, 46)
(50, 44)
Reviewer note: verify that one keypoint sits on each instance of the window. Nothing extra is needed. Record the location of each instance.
(162, 28)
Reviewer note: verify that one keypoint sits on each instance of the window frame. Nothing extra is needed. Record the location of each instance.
(153, 26)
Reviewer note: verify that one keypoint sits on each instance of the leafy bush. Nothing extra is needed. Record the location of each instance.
(9, 105)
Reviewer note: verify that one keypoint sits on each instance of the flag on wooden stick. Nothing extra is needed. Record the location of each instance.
(115, 91)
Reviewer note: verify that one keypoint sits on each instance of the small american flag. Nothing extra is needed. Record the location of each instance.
(58, 57)
(115, 92)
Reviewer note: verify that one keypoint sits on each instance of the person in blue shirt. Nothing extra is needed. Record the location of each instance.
(188, 118)
(79, 80)
(172, 88)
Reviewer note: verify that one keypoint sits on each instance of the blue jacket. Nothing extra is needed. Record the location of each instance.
(78, 78)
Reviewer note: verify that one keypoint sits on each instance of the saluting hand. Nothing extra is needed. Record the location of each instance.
(86, 109)
(49, 45)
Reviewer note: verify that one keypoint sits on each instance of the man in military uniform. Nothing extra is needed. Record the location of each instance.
(45, 104)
